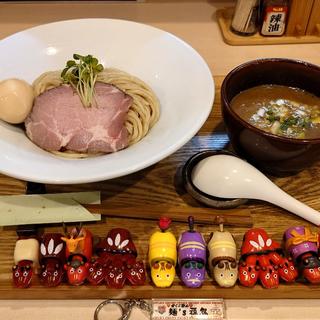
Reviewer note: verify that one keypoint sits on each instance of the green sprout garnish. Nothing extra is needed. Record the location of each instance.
(287, 123)
(81, 73)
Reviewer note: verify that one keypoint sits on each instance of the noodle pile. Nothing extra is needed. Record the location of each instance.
(143, 113)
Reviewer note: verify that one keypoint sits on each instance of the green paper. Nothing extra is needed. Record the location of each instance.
(47, 208)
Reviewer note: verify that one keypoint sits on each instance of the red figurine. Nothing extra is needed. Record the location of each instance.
(52, 259)
(302, 246)
(78, 253)
(97, 271)
(26, 258)
(118, 253)
(115, 277)
(135, 273)
(262, 258)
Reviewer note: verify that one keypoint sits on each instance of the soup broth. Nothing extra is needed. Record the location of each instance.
(281, 110)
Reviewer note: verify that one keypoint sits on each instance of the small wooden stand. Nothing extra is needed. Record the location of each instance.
(224, 17)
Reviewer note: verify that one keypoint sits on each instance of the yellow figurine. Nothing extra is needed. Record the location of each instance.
(163, 255)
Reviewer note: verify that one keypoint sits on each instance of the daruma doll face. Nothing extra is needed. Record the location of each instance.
(193, 274)
(226, 273)
(162, 274)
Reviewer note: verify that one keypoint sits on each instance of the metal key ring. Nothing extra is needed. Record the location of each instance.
(124, 313)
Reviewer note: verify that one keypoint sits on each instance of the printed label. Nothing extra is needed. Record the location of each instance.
(213, 309)
(274, 21)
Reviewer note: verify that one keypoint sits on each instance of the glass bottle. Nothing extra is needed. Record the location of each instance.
(245, 17)
(274, 17)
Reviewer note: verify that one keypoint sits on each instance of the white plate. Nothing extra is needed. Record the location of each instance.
(176, 72)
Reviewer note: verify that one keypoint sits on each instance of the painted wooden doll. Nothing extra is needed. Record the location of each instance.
(26, 259)
(26, 256)
(262, 259)
(52, 259)
(222, 258)
(192, 257)
(163, 255)
(117, 261)
(78, 253)
(302, 245)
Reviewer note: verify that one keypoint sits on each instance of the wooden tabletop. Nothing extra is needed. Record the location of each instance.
(161, 184)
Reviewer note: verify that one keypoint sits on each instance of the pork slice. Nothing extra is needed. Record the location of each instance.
(59, 121)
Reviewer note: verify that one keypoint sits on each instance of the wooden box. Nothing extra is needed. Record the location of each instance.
(299, 17)
(314, 20)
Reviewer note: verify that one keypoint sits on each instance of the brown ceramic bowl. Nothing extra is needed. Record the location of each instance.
(271, 153)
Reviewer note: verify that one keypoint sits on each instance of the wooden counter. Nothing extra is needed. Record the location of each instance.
(161, 184)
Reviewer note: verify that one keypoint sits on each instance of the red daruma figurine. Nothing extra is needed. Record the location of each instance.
(117, 261)
(52, 259)
(78, 253)
(262, 259)
(26, 258)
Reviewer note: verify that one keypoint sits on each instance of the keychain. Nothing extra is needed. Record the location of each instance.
(126, 307)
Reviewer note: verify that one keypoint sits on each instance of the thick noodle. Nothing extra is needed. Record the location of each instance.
(143, 113)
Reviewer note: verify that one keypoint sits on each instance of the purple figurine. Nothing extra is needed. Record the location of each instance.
(302, 245)
(192, 257)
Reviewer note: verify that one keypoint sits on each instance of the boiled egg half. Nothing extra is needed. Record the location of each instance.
(16, 100)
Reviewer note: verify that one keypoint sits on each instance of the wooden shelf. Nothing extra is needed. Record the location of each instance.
(224, 17)
(141, 234)
(208, 290)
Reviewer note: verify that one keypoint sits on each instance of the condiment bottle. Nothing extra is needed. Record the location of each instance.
(244, 21)
(274, 17)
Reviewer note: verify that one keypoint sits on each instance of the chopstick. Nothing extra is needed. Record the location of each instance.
(231, 217)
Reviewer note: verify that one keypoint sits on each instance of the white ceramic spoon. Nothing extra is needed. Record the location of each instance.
(227, 176)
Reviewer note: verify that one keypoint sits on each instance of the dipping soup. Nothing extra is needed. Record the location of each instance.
(281, 110)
